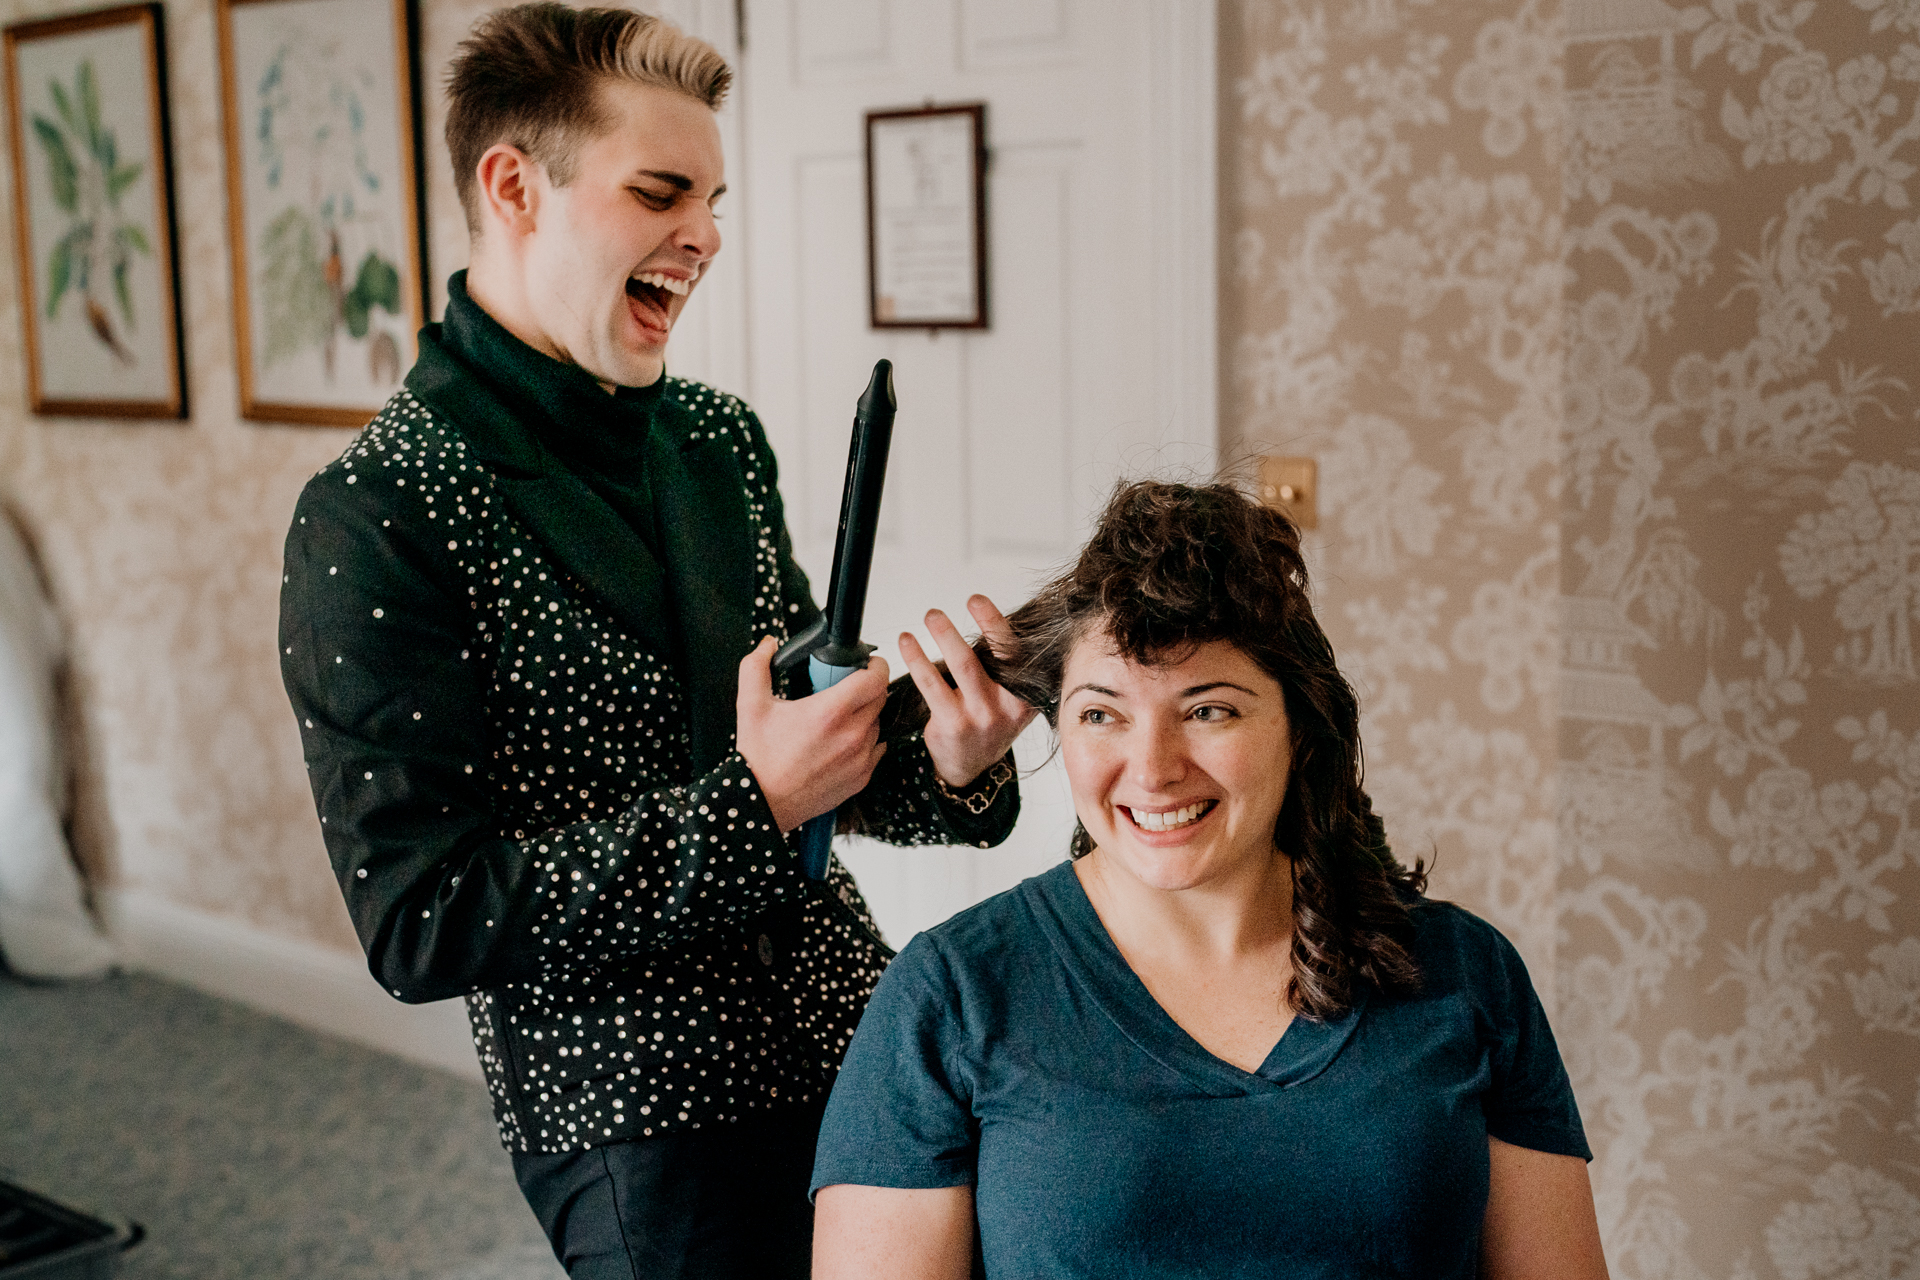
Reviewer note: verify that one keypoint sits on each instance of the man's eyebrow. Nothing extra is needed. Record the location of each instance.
(680, 180)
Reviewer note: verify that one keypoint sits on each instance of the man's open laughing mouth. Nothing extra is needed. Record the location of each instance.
(652, 294)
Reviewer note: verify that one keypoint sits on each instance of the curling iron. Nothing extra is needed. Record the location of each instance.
(831, 646)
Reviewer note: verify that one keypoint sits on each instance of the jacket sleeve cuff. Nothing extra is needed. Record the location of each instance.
(976, 824)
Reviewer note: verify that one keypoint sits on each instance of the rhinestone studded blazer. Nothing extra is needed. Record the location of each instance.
(506, 755)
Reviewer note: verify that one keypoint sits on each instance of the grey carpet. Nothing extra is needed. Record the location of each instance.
(249, 1148)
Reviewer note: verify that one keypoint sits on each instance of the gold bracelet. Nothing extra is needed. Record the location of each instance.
(980, 795)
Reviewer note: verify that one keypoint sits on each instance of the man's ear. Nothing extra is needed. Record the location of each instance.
(509, 183)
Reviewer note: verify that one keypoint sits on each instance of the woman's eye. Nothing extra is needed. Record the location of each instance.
(654, 200)
(1094, 715)
(1211, 714)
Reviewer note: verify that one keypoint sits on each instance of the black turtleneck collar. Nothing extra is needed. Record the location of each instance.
(595, 435)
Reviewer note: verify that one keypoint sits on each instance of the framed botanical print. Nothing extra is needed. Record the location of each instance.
(323, 204)
(93, 214)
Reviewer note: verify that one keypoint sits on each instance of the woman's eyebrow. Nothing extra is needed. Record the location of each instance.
(1199, 689)
(1100, 689)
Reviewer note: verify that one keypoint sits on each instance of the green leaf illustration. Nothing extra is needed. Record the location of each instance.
(81, 237)
(133, 238)
(120, 291)
(59, 272)
(118, 180)
(89, 104)
(64, 105)
(61, 170)
(377, 285)
(353, 309)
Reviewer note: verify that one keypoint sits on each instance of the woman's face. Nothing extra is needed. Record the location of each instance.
(1178, 772)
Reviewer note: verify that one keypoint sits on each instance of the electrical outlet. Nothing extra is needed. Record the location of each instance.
(1293, 485)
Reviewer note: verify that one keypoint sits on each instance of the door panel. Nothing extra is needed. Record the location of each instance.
(1015, 33)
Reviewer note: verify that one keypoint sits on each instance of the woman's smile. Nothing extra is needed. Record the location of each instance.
(1169, 821)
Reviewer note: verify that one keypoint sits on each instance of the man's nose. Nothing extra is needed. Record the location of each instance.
(701, 234)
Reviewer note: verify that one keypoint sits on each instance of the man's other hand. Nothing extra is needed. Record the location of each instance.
(809, 755)
(971, 723)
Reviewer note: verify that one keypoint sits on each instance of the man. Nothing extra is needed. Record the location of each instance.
(526, 628)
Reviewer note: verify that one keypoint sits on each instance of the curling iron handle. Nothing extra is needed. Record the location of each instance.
(816, 833)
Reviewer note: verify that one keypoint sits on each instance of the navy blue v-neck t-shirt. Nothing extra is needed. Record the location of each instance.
(1013, 1050)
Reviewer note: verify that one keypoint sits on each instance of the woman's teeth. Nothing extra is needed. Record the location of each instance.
(669, 283)
(1170, 820)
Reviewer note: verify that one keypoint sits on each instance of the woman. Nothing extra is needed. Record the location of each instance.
(1229, 1037)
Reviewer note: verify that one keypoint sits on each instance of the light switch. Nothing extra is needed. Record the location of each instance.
(1292, 484)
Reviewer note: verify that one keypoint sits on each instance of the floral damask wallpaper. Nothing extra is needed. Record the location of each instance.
(1600, 318)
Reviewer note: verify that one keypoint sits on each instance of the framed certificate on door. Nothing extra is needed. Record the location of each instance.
(927, 217)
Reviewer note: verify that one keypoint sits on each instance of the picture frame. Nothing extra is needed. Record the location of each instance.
(93, 214)
(321, 101)
(927, 217)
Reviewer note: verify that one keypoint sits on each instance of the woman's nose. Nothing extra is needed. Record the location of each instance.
(1159, 757)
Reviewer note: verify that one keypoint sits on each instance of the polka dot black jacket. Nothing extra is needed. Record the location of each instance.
(502, 735)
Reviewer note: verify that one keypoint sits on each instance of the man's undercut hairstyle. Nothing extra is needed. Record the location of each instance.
(531, 75)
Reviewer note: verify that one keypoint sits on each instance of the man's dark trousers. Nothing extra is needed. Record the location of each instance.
(713, 1203)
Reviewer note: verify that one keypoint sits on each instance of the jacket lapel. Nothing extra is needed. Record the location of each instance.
(585, 536)
(700, 504)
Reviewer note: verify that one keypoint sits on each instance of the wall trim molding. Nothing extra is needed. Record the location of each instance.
(314, 986)
(1183, 143)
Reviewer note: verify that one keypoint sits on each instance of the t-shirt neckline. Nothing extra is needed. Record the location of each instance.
(1065, 913)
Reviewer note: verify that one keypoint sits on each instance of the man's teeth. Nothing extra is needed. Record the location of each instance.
(1168, 821)
(669, 283)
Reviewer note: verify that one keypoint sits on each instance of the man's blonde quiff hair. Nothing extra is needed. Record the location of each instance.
(531, 76)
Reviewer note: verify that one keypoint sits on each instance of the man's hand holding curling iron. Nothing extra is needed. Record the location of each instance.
(809, 755)
(972, 722)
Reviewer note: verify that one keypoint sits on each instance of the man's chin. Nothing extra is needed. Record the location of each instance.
(631, 368)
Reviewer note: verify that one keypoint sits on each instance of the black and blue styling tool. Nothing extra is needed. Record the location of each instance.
(832, 647)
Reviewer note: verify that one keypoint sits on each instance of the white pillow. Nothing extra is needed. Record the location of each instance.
(45, 930)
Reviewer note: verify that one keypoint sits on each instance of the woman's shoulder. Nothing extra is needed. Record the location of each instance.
(1452, 944)
(997, 935)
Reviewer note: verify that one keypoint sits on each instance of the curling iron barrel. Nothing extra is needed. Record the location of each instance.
(832, 646)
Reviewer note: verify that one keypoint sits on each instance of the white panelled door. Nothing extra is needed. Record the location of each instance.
(1099, 360)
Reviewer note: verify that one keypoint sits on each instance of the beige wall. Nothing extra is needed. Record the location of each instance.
(162, 542)
(1601, 321)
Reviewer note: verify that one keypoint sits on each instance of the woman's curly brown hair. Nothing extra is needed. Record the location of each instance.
(1172, 566)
